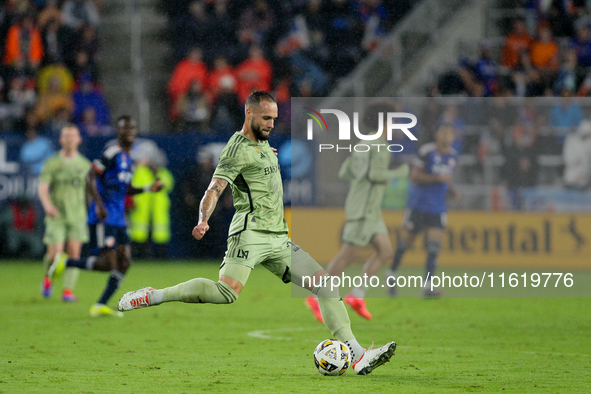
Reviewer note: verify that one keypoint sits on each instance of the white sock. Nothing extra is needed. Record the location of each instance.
(358, 292)
(156, 297)
(356, 349)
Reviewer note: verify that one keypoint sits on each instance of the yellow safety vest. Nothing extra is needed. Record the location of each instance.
(151, 208)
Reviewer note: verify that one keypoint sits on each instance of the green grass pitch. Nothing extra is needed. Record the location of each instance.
(263, 343)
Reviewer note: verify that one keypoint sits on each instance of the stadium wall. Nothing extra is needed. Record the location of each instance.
(472, 238)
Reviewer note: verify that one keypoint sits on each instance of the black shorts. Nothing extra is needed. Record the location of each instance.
(417, 221)
(105, 236)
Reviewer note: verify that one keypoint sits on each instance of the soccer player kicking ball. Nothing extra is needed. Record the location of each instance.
(62, 192)
(258, 235)
(108, 182)
(368, 175)
(431, 176)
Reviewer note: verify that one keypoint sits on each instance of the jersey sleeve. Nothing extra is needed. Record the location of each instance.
(105, 162)
(232, 163)
(46, 172)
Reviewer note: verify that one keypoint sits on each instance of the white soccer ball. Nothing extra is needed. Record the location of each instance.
(332, 357)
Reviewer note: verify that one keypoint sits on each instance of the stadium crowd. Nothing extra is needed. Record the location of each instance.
(49, 74)
(225, 49)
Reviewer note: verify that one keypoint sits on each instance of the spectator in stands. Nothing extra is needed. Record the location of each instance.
(222, 76)
(34, 152)
(60, 120)
(52, 100)
(89, 125)
(560, 16)
(516, 43)
(485, 69)
(19, 228)
(544, 51)
(570, 75)
(258, 21)
(469, 83)
(343, 36)
(77, 14)
(49, 13)
(87, 42)
(577, 157)
(190, 69)
(83, 68)
(581, 44)
(374, 17)
(255, 73)
(88, 96)
(566, 115)
(304, 69)
(222, 28)
(193, 109)
(55, 70)
(55, 39)
(527, 79)
(227, 110)
(521, 163)
(24, 47)
(21, 95)
(193, 28)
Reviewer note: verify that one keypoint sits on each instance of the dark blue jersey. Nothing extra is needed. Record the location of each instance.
(430, 197)
(115, 169)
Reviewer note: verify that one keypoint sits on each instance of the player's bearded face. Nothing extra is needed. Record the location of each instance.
(263, 119)
(258, 131)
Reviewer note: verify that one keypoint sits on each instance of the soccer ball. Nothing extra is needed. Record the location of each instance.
(332, 357)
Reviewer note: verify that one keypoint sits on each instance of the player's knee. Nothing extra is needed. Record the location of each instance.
(123, 264)
(434, 246)
(386, 253)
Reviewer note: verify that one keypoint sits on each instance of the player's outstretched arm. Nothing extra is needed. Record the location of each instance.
(207, 206)
(92, 190)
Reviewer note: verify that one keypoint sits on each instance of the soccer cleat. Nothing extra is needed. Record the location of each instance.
(68, 296)
(431, 293)
(358, 304)
(312, 303)
(46, 287)
(57, 266)
(102, 310)
(135, 299)
(373, 358)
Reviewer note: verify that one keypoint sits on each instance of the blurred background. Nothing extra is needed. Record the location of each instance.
(512, 75)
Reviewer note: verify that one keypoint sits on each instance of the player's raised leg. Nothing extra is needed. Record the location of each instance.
(346, 255)
(334, 312)
(198, 290)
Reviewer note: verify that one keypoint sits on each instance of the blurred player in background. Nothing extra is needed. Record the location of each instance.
(108, 182)
(368, 175)
(258, 235)
(431, 176)
(62, 191)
